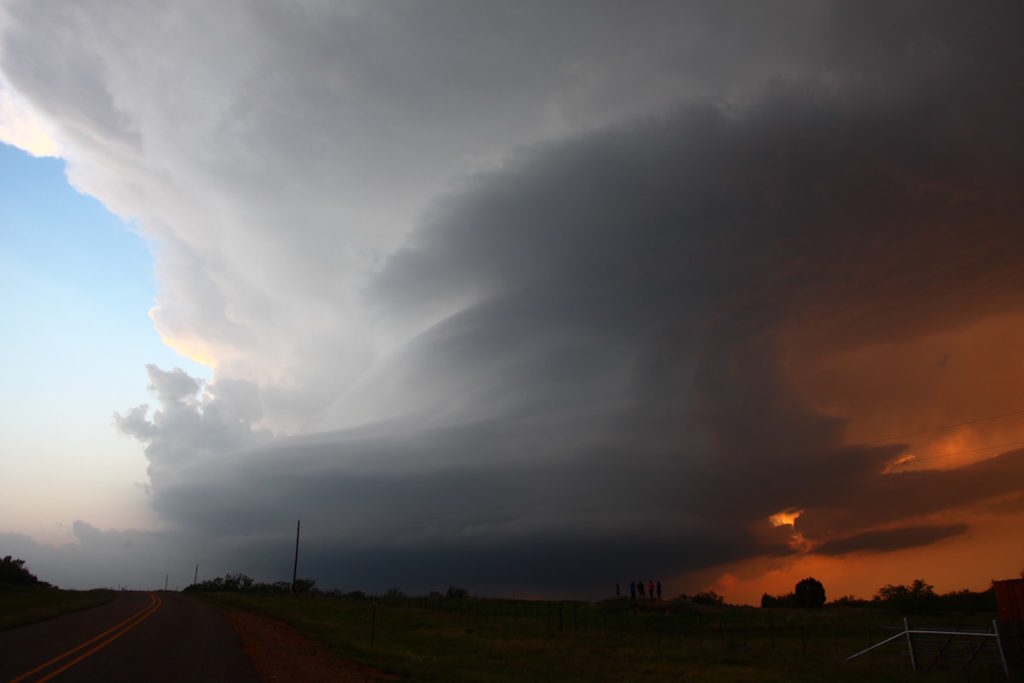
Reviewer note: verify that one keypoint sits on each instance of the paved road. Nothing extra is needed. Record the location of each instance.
(159, 637)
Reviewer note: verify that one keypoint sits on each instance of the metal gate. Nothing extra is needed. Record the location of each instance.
(938, 648)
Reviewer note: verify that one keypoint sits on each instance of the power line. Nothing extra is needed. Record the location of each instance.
(944, 427)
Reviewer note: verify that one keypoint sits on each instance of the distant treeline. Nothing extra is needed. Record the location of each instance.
(240, 583)
(917, 598)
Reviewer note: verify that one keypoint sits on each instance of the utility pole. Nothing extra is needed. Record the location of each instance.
(195, 577)
(295, 567)
(166, 576)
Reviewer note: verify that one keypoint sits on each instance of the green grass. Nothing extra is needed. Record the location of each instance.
(20, 605)
(496, 640)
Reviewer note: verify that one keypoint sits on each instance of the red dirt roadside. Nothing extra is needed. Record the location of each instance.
(280, 653)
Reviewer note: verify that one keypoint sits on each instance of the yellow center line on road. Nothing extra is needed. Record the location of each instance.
(106, 642)
(114, 633)
(152, 601)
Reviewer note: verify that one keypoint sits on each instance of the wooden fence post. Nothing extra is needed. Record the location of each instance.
(373, 623)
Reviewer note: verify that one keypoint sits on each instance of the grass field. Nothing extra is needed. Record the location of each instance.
(495, 640)
(21, 605)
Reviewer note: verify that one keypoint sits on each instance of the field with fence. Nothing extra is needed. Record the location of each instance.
(439, 638)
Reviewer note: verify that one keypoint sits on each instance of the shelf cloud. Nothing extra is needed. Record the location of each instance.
(525, 298)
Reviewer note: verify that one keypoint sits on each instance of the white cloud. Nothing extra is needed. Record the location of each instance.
(278, 154)
(22, 127)
(192, 422)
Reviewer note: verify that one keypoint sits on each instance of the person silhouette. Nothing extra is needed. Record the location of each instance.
(640, 588)
(658, 587)
(632, 589)
(650, 589)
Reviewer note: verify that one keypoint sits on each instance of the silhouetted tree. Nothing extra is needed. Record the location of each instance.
(14, 571)
(809, 593)
(456, 593)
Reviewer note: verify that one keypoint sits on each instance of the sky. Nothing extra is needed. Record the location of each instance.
(530, 297)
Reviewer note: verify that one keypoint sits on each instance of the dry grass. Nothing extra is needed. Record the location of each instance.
(20, 605)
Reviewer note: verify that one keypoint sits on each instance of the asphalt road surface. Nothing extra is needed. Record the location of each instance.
(158, 637)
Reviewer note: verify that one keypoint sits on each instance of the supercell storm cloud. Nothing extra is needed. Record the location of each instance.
(525, 298)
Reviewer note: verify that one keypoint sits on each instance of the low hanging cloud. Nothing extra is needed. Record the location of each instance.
(890, 539)
(576, 363)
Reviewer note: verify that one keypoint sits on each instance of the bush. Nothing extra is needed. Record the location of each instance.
(770, 601)
(849, 601)
(456, 593)
(967, 601)
(708, 598)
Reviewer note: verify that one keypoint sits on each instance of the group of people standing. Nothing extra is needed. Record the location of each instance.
(637, 587)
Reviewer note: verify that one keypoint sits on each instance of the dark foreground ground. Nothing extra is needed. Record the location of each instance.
(163, 636)
(615, 640)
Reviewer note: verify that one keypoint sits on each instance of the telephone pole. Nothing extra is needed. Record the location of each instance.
(195, 577)
(295, 567)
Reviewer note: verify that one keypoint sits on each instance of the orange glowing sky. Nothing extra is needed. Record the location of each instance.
(919, 386)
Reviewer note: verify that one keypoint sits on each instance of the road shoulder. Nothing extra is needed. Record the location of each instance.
(280, 653)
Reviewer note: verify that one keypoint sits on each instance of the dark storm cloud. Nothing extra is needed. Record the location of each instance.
(882, 499)
(890, 539)
(611, 384)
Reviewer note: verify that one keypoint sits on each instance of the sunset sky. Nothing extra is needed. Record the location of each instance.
(526, 297)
